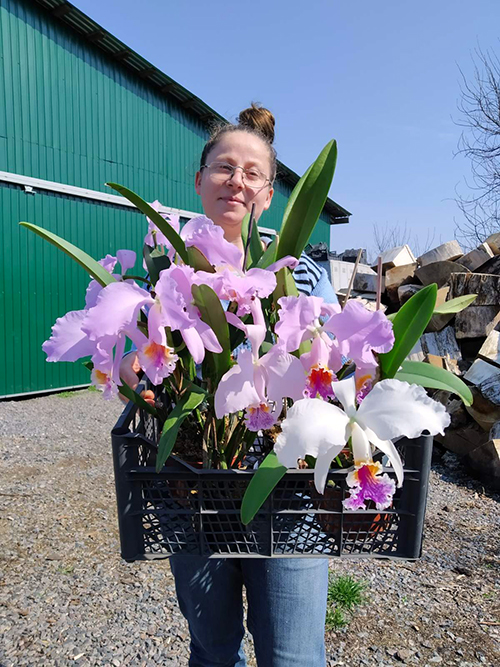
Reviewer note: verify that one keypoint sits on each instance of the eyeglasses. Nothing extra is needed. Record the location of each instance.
(223, 171)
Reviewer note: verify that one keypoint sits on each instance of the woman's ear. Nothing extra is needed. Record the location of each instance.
(269, 199)
(197, 182)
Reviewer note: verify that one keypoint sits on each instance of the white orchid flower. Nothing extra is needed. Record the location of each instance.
(392, 409)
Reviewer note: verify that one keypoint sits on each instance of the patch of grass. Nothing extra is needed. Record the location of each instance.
(65, 394)
(344, 594)
(65, 569)
(335, 619)
(91, 387)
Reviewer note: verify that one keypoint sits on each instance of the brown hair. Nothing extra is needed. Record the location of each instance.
(255, 120)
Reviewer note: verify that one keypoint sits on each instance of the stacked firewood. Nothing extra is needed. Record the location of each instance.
(466, 343)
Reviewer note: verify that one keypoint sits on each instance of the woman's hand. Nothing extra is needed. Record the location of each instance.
(129, 372)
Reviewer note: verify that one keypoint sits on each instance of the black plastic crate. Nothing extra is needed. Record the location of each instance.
(195, 511)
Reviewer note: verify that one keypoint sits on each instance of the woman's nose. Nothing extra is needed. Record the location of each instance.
(237, 177)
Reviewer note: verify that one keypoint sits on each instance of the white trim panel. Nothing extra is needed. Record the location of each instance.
(73, 190)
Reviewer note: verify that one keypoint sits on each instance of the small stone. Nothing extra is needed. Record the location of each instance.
(436, 659)
(403, 654)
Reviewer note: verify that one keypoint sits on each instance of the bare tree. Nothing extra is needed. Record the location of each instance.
(480, 142)
(388, 236)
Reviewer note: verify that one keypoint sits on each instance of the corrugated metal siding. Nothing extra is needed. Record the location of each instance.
(71, 115)
(40, 284)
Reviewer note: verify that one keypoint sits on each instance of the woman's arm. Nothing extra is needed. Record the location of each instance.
(324, 288)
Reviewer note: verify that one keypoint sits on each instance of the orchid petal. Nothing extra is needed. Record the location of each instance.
(388, 448)
(157, 361)
(173, 305)
(244, 287)
(330, 309)
(117, 307)
(159, 237)
(361, 449)
(126, 258)
(345, 391)
(285, 375)
(93, 290)
(194, 344)
(256, 332)
(104, 382)
(259, 417)
(296, 314)
(360, 331)
(320, 375)
(202, 233)
(322, 467)
(68, 342)
(103, 355)
(208, 337)
(369, 484)
(108, 263)
(313, 427)
(259, 382)
(236, 389)
(288, 261)
(233, 319)
(395, 408)
(119, 350)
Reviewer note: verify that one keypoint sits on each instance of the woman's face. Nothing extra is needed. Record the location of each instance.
(227, 202)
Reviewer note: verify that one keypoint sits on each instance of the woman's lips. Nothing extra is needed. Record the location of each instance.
(232, 201)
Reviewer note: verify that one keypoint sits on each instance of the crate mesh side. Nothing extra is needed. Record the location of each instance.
(198, 513)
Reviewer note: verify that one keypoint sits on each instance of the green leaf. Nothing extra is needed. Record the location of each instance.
(198, 260)
(408, 325)
(269, 255)
(160, 222)
(432, 377)
(455, 305)
(264, 480)
(212, 313)
(306, 203)
(93, 268)
(189, 402)
(285, 284)
(128, 392)
(156, 261)
(255, 250)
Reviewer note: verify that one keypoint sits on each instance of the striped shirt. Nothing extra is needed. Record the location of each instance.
(311, 279)
(306, 274)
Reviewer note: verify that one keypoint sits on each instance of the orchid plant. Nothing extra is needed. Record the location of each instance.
(238, 351)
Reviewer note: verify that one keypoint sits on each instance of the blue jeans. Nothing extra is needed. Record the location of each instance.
(286, 609)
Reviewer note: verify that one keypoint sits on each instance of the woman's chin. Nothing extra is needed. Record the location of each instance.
(230, 219)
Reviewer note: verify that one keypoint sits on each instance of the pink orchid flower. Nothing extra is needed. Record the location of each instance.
(300, 320)
(69, 342)
(174, 289)
(230, 282)
(361, 332)
(114, 318)
(127, 260)
(155, 236)
(203, 234)
(258, 385)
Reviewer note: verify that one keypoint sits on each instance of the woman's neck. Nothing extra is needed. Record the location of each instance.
(233, 235)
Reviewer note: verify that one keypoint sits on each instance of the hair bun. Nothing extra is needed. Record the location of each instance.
(260, 119)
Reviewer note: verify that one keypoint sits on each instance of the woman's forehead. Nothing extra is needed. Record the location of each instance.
(240, 147)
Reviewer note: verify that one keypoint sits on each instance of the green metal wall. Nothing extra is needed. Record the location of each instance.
(73, 116)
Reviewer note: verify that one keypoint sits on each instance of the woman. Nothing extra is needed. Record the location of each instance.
(286, 597)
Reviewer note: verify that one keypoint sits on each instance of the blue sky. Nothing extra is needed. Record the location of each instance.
(380, 77)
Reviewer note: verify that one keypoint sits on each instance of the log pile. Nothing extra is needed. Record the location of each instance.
(467, 343)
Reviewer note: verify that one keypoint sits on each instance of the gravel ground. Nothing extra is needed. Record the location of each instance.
(66, 598)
